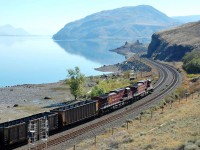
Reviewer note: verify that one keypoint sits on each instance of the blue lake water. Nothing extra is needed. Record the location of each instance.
(37, 59)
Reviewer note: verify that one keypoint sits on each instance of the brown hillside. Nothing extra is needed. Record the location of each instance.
(172, 44)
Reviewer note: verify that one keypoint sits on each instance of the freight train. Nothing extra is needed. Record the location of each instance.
(17, 131)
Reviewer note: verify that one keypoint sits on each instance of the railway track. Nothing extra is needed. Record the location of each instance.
(169, 79)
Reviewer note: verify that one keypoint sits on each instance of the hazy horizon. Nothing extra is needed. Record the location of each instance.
(47, 17)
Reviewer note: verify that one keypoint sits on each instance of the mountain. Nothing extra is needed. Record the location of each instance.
(10, 30)
(187, 19)
(173, 44)
(122, 23)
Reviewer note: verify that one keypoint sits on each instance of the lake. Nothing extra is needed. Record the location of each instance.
(39, 59)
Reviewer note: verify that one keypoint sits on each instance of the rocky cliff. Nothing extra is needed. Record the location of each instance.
(171, 45)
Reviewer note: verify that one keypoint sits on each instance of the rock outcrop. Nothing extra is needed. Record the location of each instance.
(131, 47)
(171, 45)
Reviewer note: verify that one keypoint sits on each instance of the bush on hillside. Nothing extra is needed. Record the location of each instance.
(191, 62)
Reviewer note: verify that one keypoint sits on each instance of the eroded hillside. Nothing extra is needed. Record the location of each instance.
(173, 44)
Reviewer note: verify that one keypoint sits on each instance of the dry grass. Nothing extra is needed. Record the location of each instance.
(187, 34)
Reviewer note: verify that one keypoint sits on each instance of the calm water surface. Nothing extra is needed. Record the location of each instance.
(31, 60)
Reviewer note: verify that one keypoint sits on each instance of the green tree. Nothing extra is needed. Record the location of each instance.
(96, 91)
(75, 81)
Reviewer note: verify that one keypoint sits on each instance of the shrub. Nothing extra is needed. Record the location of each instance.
(180, 147)
(109, 84)
(96, 91)
(181, 92)
(191, 62)
(198, 143)
(124, 125)
(127, 74)
(128, 139)
(191, 147)
(149, 146)
(114, 145)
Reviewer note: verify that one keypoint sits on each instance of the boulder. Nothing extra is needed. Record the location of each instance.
(47, 97)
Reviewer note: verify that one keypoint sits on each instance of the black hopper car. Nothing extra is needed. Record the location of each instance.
(16, 131)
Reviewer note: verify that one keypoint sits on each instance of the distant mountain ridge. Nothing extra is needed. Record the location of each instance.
(187, 19)
(122, 23)
(173, 44)
(10, 30)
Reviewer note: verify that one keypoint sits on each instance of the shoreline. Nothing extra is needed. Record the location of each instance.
(27, 99)
(23, 100)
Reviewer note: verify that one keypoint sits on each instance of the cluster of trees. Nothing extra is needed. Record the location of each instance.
(76, 82)
(107, 85)
(191, 62)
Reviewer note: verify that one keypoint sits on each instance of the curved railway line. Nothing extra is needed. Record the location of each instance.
(169, 79)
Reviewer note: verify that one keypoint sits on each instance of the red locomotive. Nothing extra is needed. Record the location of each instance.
(119, 97)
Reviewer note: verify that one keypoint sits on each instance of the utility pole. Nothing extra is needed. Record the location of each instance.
(186, 95)
(127, 124)
(171, 103)
(141, 116)
(112, 130)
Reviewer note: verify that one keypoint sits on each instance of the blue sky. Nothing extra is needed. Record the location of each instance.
(46, 17)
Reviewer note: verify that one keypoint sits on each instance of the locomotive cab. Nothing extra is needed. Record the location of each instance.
(149, 85)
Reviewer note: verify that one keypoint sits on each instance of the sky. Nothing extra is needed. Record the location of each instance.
(46, 17)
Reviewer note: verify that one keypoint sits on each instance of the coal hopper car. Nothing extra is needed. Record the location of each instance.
(16, 131)
(77, 112)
